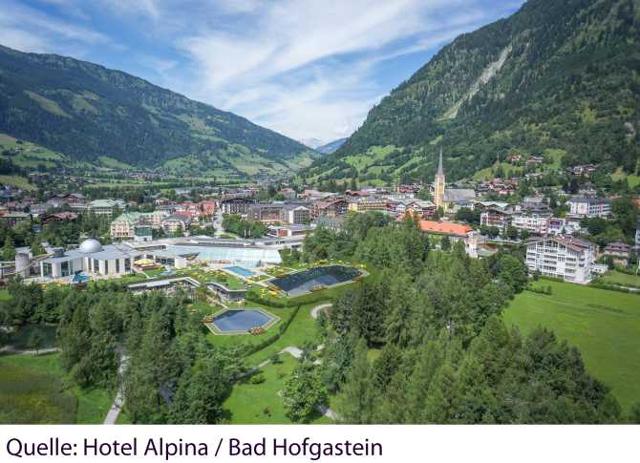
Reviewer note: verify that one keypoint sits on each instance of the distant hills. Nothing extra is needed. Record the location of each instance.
(331, 147)
(560, 77)
(90, 113)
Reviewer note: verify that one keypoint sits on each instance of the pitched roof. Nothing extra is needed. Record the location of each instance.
(445, 228)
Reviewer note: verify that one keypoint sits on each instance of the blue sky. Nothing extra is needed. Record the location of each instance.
(305, 68)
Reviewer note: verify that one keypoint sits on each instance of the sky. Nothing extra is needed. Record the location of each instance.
(309, 69)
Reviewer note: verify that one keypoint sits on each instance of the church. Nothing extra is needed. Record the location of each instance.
(450, 199)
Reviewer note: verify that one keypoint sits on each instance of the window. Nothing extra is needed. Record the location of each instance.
(46, 269)
(127, 264)
(64, 269)
(117, 265)
(106, 267)
(96, 266)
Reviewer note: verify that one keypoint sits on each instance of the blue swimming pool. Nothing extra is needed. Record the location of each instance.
(243, 272)
(242, 320)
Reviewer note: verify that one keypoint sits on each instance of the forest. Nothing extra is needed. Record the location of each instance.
(568, 82)
(420, 340)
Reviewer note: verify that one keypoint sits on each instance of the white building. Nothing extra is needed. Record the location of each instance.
(105, 206)
(533, 223)
(565, 257)
(563, 226)
(124, 226)
(589, 207)
(92, 258)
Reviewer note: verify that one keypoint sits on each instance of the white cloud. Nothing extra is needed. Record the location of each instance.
(307, 68)
(28, 29)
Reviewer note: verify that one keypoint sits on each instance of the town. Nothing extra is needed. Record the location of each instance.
(316, 212)
(568, 232)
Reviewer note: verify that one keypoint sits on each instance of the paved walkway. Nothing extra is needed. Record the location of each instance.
(316, 310)
(118, 402)
(13, 350)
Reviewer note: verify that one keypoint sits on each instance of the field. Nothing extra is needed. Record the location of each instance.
(33, 390)
(17, 181)
(261, 403)
(633, 180)
(604, 325)
(623, 279)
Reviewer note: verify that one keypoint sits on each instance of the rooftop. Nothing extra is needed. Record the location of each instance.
(445, 228)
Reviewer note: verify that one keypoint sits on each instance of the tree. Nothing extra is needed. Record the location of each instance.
(445, 243)
(8, 250)
(37, 249)
(201, 393)
(513, 272)
(511, 233)
(357, 399)
(35, 340)
(303, 393)
(356, 402)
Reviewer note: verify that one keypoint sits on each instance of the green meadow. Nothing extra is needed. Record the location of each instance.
(33, 390)
(603, 324)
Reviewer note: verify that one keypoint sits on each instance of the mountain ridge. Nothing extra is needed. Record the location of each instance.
(552, 76)
(86, 110)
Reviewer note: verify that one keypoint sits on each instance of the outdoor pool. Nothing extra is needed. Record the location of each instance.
(243, 272)
(233, 321)
(303, 282)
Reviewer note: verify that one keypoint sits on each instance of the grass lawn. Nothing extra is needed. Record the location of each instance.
(260, 403)
(604, 325)
(33, 390)
(618, 278)
(302, 329)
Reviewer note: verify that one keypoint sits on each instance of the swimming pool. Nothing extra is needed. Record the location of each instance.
(303, 282)
(243, 272)
(242, 320)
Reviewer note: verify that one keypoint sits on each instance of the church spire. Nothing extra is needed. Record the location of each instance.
(439, 185)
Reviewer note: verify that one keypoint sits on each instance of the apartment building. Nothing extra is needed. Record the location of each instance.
(589, 207)
(566, 257)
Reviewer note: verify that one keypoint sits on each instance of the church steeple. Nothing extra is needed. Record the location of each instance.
(439, 184)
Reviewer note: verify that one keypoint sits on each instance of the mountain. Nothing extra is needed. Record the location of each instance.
(331, 147)
(559, 78)
(88, 112)
(312, 143)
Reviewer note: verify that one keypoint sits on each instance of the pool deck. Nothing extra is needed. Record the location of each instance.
(215, 330)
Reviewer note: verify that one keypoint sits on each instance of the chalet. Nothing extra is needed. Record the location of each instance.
(332, 207)
(59, 217)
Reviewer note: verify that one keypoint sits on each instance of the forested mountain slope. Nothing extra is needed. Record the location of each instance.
(555, 75)
(86, 111)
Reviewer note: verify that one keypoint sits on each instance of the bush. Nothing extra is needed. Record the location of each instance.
(257, 379)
